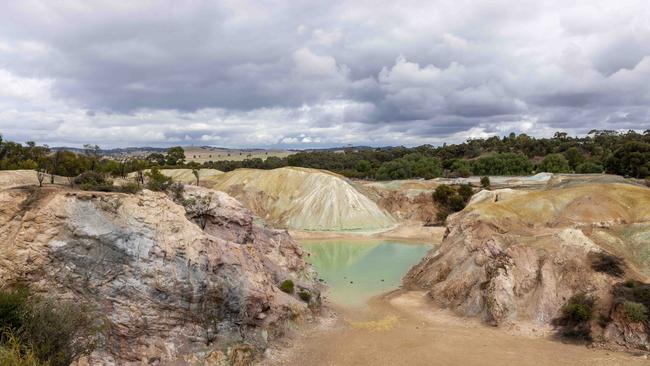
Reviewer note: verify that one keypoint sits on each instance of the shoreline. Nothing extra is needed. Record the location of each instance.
(409, 231)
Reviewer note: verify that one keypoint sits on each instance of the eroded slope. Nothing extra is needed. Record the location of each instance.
(520, 257)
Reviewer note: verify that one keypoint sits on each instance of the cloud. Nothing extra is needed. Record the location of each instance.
(306, 74)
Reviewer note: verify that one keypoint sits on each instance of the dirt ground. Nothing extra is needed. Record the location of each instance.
(409, 231)
(403, 329)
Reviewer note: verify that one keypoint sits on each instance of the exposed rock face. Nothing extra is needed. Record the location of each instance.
(304, 199)
(521, 258)
(165, 286)
(407, 200)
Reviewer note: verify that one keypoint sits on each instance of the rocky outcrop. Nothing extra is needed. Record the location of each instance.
(165, 279)
(521, 257)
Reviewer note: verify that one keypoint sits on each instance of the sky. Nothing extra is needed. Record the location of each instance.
(308, 74)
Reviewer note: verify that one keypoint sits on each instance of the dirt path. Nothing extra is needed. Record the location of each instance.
(401, 329)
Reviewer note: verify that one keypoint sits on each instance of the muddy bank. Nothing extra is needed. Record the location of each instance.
(403, 329)
(404, 232)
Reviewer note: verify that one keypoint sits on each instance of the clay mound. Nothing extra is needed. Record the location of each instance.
(304, 199)
(520, 258)
(167, 280)
(580, 204)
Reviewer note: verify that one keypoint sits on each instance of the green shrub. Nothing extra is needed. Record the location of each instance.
(442, 194)
(607, 263)
(466, 192)
(576, 314)
(589, 168)
(635, 311)
(59, 332)
(13, 307)
(287, 286)
(456, 203)
(14, 353)
(55, 333)
(129, 187)
(157, 180)
(93, 181)
(485, 182)
(304, 295)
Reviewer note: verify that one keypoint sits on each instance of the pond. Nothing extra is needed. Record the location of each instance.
(357, 270)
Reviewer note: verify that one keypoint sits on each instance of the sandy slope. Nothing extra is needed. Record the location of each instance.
(305, 199)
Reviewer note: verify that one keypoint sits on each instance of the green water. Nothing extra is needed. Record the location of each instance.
(356, 271)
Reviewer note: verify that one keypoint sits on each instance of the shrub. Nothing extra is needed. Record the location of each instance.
(589, 168)
(287, 286)
(607, 263)
(442, 194)
(13, 306)
(14, 353)
(456, 203)
(635, 311)
(55, 333)
(304, 295)
(177, 190)
(157, 180)
(441, 215)
(130, 187)
(485, 182)
(59, 332)
(466, 192)
(93, 181)
(576, 314)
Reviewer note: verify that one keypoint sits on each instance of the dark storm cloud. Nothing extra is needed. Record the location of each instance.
(302, 73)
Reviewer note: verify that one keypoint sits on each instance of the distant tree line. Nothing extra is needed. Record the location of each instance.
(601, 151)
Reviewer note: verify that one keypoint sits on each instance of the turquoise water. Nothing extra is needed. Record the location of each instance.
(356, 271)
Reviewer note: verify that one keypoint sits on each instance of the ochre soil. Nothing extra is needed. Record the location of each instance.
(403, 329)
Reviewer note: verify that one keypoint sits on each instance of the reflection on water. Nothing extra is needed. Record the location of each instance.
(355, 271)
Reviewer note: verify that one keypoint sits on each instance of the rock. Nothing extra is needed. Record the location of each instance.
(167, 279)
(519, 259)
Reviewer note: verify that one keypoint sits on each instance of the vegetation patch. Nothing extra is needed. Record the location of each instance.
(304, 295)
(574, 323)
(635, 311)
(450, 200)
(287, 286)
(607, 263)
(41, 331)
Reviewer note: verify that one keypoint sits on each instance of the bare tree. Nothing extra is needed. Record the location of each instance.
(196, 175)
(40, 175)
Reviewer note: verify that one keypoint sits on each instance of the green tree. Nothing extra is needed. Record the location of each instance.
(574, 157)
(589, 168)
(175, 156)
(631, 159)
(555, 163)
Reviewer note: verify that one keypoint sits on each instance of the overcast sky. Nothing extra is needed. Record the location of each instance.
(297, 74)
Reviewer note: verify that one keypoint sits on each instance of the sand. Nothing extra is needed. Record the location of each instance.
(402, 329)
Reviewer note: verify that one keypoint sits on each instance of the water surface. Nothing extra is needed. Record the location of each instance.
(357, 270)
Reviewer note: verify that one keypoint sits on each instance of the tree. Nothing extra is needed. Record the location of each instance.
(555, 163)
(156, 158)
(631, 159)
(157, 181)
(175, 156)
(195, 172)
(589, 168)
(92, 152)
(574, 157)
